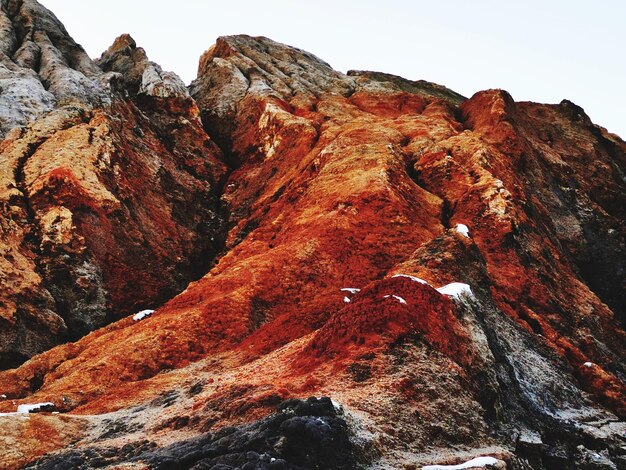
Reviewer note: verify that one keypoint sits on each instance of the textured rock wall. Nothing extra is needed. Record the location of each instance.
(109, 185)
(337, 221)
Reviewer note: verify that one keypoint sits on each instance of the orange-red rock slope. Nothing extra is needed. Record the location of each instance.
(343, 199)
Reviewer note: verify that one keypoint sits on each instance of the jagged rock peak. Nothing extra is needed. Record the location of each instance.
(236, 66)
(289, 70)
(41, 66)
(241, 66)
(81, 149)
(32, 22)
(139, 74)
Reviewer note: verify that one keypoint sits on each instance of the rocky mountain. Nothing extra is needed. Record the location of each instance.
(109, 186)
(284, 266)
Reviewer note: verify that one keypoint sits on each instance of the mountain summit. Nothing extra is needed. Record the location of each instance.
(284, 266)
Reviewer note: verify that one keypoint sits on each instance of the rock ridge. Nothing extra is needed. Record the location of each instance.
(447, 271)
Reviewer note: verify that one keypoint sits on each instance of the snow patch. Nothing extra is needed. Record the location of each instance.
(456, 289)
(352, 290)
(346, 300)
(463, 230)
(3, 396)
(143, 314)
(588, 364)
(397, 297)
(34, 407)
(477, 462)
(412, 278)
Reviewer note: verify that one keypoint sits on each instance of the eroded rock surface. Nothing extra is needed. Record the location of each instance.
(341, 205)
(109, 185)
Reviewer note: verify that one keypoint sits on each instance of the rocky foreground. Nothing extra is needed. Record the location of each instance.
(182, 268)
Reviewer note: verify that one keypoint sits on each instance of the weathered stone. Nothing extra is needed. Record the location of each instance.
(108, 187)
(356, 182)
(299, 435)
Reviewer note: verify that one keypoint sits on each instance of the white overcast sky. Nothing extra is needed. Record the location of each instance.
(537, 50)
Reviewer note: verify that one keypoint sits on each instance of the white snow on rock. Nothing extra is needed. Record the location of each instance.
(397, 297)
(34, 407)
(477, 462)
(412, 278)
(346, 300)
(352, 290)
(3, 396)
(462, 229)
(455, 289)
(143, 314)
(588, 364)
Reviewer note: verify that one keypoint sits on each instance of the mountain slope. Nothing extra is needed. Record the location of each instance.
(336, 207)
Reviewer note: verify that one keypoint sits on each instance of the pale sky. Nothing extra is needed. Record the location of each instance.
(540, 51)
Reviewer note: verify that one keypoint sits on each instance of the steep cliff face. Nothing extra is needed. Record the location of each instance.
(108, 185)
(450, 271)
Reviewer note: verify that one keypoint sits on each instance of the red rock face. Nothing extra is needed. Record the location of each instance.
(107, 208)
(339, 193)
(384, 312)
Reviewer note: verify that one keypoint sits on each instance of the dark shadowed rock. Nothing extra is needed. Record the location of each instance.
(300, 435)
